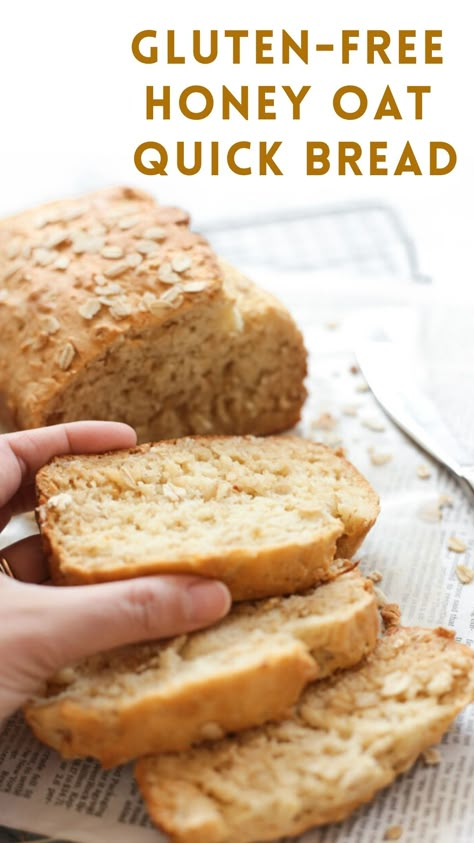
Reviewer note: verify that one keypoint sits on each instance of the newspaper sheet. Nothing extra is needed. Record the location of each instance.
(78, 801)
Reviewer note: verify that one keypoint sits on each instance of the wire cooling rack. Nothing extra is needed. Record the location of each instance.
(365, 238)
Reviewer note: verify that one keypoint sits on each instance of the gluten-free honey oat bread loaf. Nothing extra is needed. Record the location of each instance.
(266, 515)
(352, 735)
(247, 669)
(111, 308)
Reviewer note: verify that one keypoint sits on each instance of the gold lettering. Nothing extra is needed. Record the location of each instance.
(146, 58)
(154, 167)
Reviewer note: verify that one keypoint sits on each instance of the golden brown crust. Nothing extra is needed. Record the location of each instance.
(249, 572)
(107, 296)
(76, 275)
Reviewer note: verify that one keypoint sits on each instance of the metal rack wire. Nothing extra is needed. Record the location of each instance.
(366, 238)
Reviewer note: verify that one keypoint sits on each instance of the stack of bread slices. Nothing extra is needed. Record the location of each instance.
(295, 708)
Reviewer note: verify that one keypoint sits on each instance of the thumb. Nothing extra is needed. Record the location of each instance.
(61, 625)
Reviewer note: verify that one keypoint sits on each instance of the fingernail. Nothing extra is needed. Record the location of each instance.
(209, 601)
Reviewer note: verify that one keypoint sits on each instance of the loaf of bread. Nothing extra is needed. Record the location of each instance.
(111, 308)
(247, 669)
(352, 735)
(266, 515)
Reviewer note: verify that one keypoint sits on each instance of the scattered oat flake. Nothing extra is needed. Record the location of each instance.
(374, 424)
(134, 259)
(393, 832)
(379, 458)
(50, 324)
(66, 356)
(350, 409)
(325, 421)
(375, 576)
(83, 242)
(43, 257)
(119, 310)
(128, 222)
(154, 233)
(457, 545)
(431, 756)
(445, 500)
(194, 286)
(145, 247)
(423, 471)
(362, 387)
(116, 269)
(354, 370)
(464, 574)
(90, 308)
(172, 297)
(166, 274)
(181, 263)
(332, 439)
(112, 252)
(332, 325)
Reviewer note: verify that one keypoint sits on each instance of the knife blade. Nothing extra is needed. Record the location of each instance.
(385, 348)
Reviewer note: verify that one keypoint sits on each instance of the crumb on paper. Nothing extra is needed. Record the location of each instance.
(393, 832)
(457, 545)
(464, 574)
(326, 421)
(379, 458)
(362, 387)
(333, 440)
(432, 511)
(375, 576)
(350, 409)
(423, 471)
(354, 370)
(332, 325)
(444, 501)
(391, 615)
(374, 424)
(431, 756)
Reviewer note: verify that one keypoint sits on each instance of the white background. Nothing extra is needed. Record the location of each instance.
(73, 109)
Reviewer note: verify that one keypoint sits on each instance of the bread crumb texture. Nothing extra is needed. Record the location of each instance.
(268, 516)
(351, 736)
(184, 689)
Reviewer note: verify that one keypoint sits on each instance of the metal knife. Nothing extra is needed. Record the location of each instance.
(386, 354)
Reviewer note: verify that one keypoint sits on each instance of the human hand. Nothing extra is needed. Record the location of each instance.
(43, 628)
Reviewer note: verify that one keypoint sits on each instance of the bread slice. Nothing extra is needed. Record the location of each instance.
(353, 734)
(112, 308)
(266, 516)
(249, 668)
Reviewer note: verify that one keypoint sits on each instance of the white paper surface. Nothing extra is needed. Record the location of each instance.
(435, 804)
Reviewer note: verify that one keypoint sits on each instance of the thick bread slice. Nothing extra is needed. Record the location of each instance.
(249, 668)
(354, 733)
(111, 308)
(266, 516)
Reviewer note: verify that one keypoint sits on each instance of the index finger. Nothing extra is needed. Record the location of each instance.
(23, 453)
